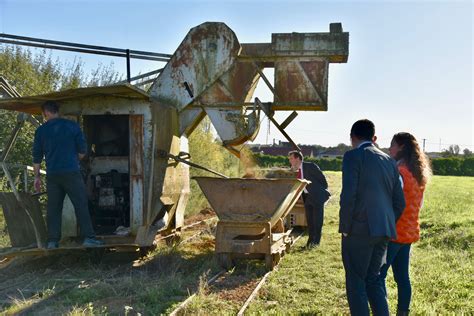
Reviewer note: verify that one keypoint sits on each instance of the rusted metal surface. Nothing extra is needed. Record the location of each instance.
(137, 188)
(203, 71)
(234, 126)
(19, 222)
(207, 52)
(251, 213)
(236, 85)
(251, 200)
(333, 46)
(301, 85)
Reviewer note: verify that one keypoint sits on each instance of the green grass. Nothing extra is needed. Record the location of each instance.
(87, 284)
(441, 263)
(305, 282)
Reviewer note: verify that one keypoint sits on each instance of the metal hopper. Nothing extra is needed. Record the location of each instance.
(251, 200)
(251, 214)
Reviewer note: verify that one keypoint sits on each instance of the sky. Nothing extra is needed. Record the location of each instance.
(410, 62)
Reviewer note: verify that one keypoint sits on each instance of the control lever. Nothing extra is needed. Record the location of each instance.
(182, 156)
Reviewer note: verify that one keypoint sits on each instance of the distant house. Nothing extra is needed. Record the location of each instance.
(434, 155)
(316, 151)
(332, 153)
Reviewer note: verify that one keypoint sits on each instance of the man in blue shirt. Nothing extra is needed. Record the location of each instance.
(62, 145)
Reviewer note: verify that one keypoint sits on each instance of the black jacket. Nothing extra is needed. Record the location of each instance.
(372, 197)
(317, 189)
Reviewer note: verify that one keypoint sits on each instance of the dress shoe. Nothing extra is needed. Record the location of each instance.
(311, 245)
(52, 245)
(92, 242)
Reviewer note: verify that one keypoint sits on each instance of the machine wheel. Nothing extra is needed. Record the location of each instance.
(272, 260)
(145, 250)
(174, 239)
(225, 260)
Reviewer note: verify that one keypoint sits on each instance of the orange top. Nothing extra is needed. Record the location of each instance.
(408, 225)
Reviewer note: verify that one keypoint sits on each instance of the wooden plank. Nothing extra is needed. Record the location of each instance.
(44, 252)
(254, 293)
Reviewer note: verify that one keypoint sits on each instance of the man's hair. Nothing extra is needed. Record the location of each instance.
(363, 129)
(50, 106)
(296, 154)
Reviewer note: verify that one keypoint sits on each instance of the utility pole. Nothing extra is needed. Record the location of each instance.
(424, 140)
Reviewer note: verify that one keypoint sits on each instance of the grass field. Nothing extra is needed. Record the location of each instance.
(305, 282)
(441, 263)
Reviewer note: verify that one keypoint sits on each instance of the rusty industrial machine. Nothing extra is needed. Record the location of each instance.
(136, 179)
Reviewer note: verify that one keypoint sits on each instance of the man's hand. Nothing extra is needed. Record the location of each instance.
(38, 184)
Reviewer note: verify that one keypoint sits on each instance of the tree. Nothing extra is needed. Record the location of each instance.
(467, 152)
(454, 150)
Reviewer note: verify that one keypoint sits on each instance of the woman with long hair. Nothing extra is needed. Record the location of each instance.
(415, 171)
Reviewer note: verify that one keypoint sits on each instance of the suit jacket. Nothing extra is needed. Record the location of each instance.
(317, 189)
(372, 197)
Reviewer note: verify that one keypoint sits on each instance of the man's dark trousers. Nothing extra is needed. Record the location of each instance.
(314, 218)
(58, 185)
(362, 257)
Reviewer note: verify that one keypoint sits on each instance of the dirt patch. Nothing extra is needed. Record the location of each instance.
(203, 215)
(204, 244)
(234, 288)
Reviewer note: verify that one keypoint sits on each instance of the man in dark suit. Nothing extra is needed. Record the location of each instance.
(314, 195)
(371, 202)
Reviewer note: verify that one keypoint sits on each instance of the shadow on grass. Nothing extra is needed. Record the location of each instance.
(82, 282)
(449, 236)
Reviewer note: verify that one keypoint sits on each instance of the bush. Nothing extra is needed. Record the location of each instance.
(453, 166)
(268, 161)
